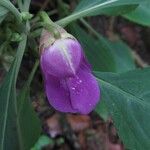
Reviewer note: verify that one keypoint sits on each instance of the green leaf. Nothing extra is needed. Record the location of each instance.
(102, 110)
(122, 55)
(127, 98)
(29, 123)
(114, 10)
(90, 7)
(42, 142)
(3, 13)
(10, 7)
(2, 18)
(8, 108)
(17, 118)
(141, 14)
(24, 5)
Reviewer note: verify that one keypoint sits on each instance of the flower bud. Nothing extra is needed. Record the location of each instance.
(69, 83)
(62, 58)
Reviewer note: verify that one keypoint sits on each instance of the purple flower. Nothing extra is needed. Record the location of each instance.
(69, 83)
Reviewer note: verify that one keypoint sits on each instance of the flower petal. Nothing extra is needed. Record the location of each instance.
(58, 94)
(62, 59)
(84, 91)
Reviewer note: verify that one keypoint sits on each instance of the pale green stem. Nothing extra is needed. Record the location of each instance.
(88, 26)
(76, 15)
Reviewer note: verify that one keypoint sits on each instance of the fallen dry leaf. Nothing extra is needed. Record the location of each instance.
(53, 124)
(79, 122)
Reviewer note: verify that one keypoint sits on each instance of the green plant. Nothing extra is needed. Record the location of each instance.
(125, 89)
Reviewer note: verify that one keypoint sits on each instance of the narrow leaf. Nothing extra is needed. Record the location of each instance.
(114, 10)
(8, 108)
(10, 7)
(29, 123)
(3, 13)
(93, 6)
(141, 14)
(121, 54)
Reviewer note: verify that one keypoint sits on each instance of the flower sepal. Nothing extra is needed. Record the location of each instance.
(47, 38)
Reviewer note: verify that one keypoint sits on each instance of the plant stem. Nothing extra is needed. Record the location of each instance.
(26, 5)
(36, 18)
(19, 2)
(36, 33)
(88, 26)
(32, 73)
(11, 8)
(63, 22)
(45, 18)
(49, 24)
(82, 13)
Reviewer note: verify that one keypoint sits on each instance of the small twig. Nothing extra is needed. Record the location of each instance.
(139, 60)
(110, 33)
(88, 26)
(111, 24)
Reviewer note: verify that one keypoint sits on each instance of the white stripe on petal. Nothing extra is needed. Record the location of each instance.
(67, 56)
